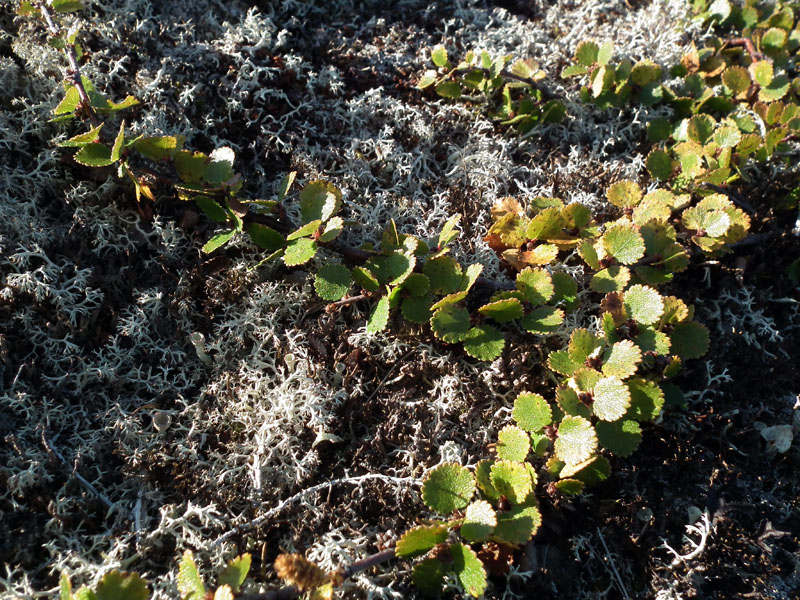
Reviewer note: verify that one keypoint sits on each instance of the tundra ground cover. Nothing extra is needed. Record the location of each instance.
(101, 304)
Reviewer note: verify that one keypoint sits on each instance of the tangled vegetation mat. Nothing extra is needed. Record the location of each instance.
(623, 276)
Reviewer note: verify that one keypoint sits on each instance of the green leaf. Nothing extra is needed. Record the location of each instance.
(445, 275)
(391, 269)
(591, 471)
(332, 282)
(644, 304)
(700, 128)
(331, 230)
(83, 139)
(417, 309)
(737, 79)
(428, 79)
(776, 89)
(235, 572)
(66, 6)
(565, 289)
(448, 487)
(570, 404)
(419, 540)
(94, 155)
(586, 53)
(484, 342)
(190, 584)
(365, 279)
(622, 359)
(773, 40)
(122, 586)
(611, 399)
(219, 168)
(620, 437)
(624, 243)
(576, 440)
(64, 587)
(471, 276)
(159, 147)
(532, 412)
(604, 53)
(625, 193)
(645, 72)
(70, 101)
(518, 525)
(84, 593)
(612, 279)
(690, 340)
(286, 183)
(212, 209)
(513, 444)
(479, 521)
(543, 320)
(502, 311)
(536, 285)
(380, 316)
(570, 487)
(299, 252)
(546, 225)
(647, 399)
(659, 164)
(439, 56)
(761, 72)
(512, 480)
(319, 200)
(190, 165)
(483, 472)
(449, 232)
(304, 231)
(428, 575)
(468, 569)
(218, 241)
(451, 323)
(582, 344)
(265, 237)
(448, 89)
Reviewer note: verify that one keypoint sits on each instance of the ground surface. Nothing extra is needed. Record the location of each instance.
(97, 305)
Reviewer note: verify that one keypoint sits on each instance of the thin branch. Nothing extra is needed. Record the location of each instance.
(613, 565)
(86, 483)
(74, 71)
(258, 521)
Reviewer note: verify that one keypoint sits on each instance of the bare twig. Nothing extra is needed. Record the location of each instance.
(86, 483)
(258, 521)
(74, 72)
(613, 565)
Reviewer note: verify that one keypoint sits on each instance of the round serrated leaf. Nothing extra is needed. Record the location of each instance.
(570, 404)
(544, 319)
(700, 128)
(761, 71)
(659, 164)
(622, 360)
(428, 575)
(332, 282)
(319, 200)
(445, 275)
(116, 585)
(380, 316)
(479, 521)
(727, 136)
(513, 444)
(468, 569)
(419, 540)
(650, 340)
(611, 399)
(502, 311)
(566, 289)
(512, 480)
(576, 440)
(417, 310)
(620, 437)
(483, 476)
(299, 252)
(536, 285)
(624, 243)
(365, 279)
(776, 89)
(392, 268)
(625, 193)
(451, 323)
(546, 224)
(643, 304)
(518, 525)
(532, 412)
(582, 344)
(448, 487)
(689, 340)
(332, 229)
(612, 279)
(647, 399)
(484, 342)
(586, 53)
(190, 584)
(570, 487)
(417, 284)
(737, 79)
(591, 471)
(585, 378)
(773, 40)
